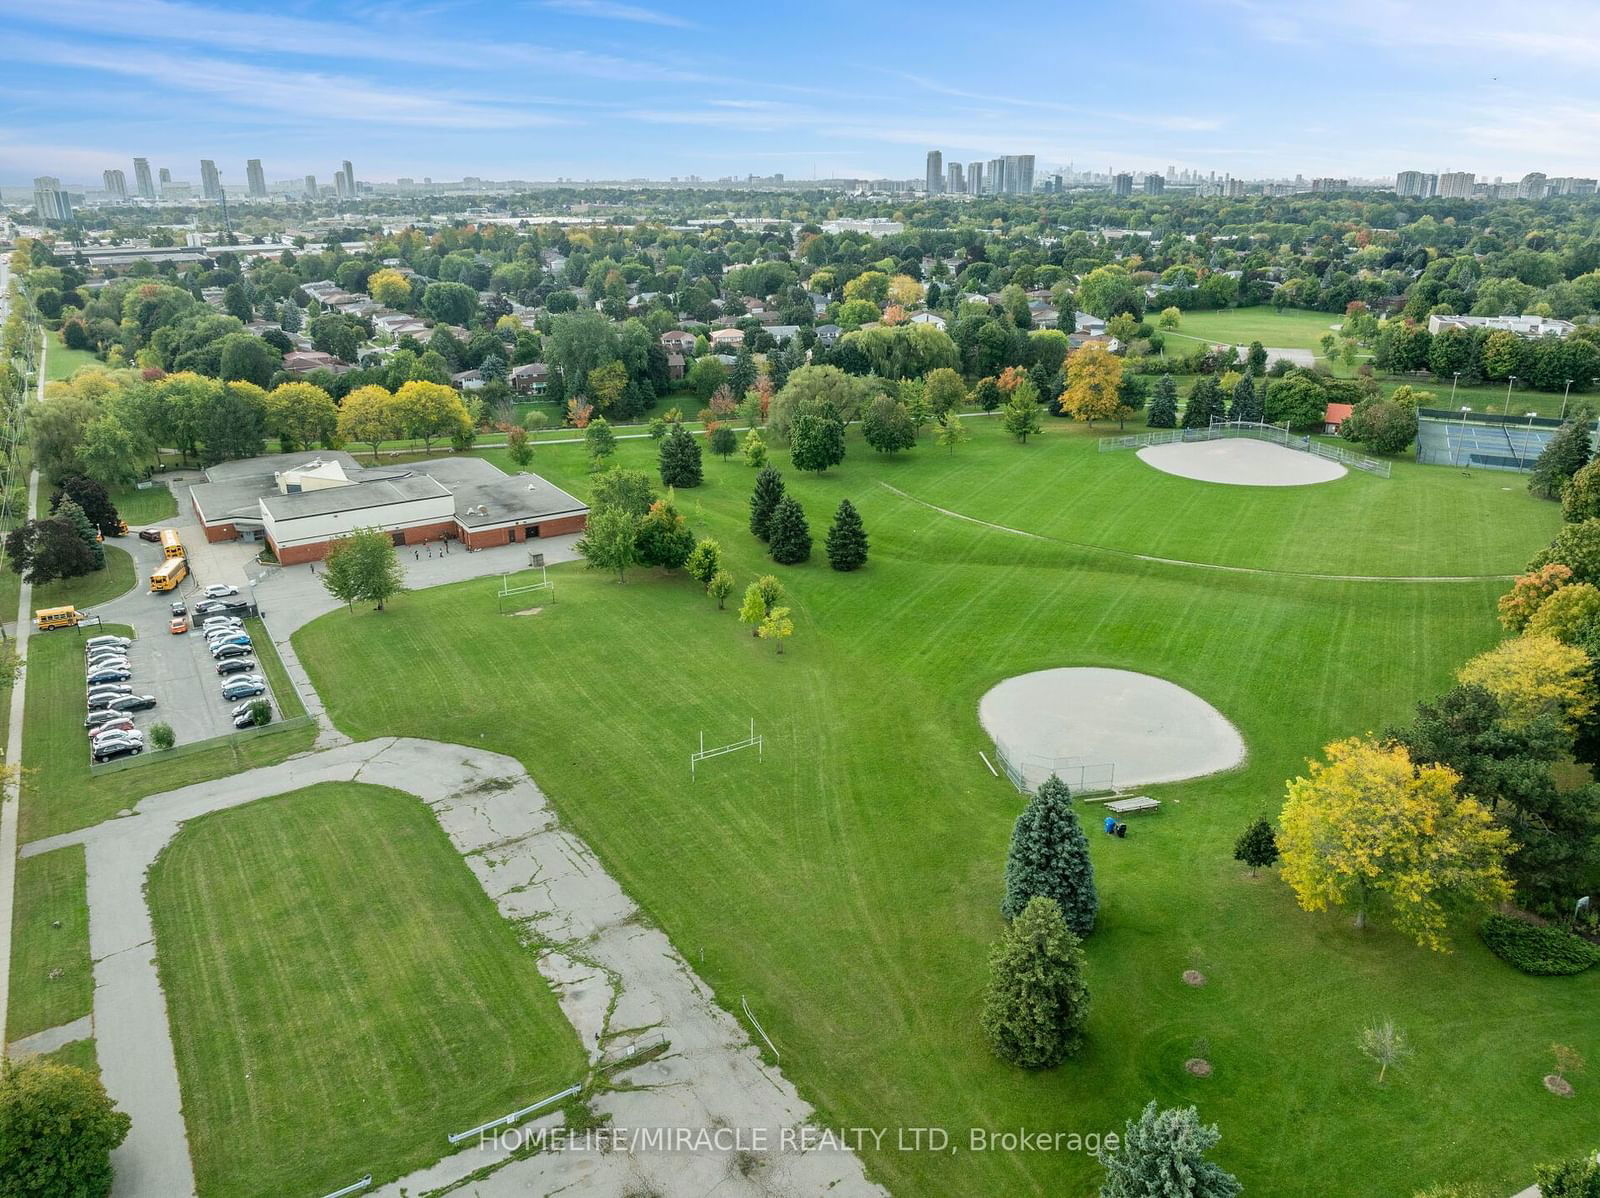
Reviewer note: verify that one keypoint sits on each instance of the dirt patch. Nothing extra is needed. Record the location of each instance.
(1559, 1086)
(528, 611)
(1197, 1067)
(1193, 977)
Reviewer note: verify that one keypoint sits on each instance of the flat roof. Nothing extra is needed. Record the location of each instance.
(355, 496)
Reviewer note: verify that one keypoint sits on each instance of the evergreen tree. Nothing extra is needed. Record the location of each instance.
(72, 515)
(1567, 452)
(679, 460)
(789, 536)
(847, 539)
(1257, 847)
(742, 375)
(1164, 404)
(1162, 1154)
(1037, 1002)
(1244, 399)
(723, 441)
(92, 498)
(1050, 856)
(764, 500)
(1205, 400)
(817, 442)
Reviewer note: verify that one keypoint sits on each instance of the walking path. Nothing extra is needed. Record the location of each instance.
(1178, 561)
(611, 971)
(11, 795)
(51, 1038)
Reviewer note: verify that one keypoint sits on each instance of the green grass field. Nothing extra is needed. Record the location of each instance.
(1291, 328)
(61, 362)
(59, 793)
(81, 1054)
(289, 704)
(49, 936)
(849, 885)
(144, 507)
(330, 1014)
(115, 579)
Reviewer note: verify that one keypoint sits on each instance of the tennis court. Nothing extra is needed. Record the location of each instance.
(1482, 441)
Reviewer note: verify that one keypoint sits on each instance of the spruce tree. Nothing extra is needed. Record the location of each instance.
(1257, 847)
(1204, 400)
(1163, 1153)
(1164, 404)
(1049, 856)
(679, 461)
(1037, 1002)
(70, 513)
(789, 536)
(847, 539)
(1244, 399)
(1567, 452)
(764, 500)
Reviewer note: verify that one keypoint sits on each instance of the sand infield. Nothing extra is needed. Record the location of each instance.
(1241, 462)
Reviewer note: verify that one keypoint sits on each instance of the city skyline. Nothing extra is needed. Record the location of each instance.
(579, 89)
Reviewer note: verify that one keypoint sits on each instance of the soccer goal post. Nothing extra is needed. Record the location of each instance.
(526, 583)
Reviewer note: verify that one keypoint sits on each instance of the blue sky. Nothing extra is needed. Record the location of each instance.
(605, 88)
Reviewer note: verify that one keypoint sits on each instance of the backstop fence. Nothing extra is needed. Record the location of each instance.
(1027, 771)
(1276, 434)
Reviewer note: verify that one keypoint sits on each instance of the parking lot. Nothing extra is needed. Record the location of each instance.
(177, 669)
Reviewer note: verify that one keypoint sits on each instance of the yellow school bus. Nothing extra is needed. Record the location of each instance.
(55, 617)
(169, 575)
(170, 545)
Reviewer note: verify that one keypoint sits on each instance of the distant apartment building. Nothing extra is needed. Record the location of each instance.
(1457, 185)
(116, 184)
(311, 187)
(1122, 185)
(975, 178)
(997, 176)
(935, 174)
(1411, 185)
(255, 178)
(1322, 185)
(1019, 174)
(1154, 185)
(1532, 186)
(349, 178)
(1523, 326)
(50, 202)
(210, 180)
(141, 179)
(954, 182)
(1569, 185)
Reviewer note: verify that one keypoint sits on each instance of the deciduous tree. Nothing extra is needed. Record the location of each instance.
(1533, 677)
(776, 627)
(1257, 847)
(609, 540)
(1094, 375)
(363, 567)
(367, 416)
(664, 537)
(58, 1128)
(1368, 830)
(817, 442)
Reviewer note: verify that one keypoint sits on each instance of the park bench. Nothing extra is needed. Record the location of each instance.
(1133, 805)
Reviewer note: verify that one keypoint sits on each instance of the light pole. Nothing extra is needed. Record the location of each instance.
(1509, 383)
(1456, 379)
(1564, 396)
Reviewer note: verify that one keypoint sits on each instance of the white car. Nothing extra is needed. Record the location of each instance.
(101, 735)
(219, 590)
(96, 642)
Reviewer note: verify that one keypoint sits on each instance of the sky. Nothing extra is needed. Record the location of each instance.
(606, 89)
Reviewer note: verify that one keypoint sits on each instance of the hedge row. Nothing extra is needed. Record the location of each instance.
(1538, 950)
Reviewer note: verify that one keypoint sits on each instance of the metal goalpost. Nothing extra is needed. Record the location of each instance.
(758, 743)
(507, 591)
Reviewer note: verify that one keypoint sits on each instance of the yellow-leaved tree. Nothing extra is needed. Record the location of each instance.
(1368, 830)
(1093, 375)
(1533, 676)
(389, 286)
(368, 417)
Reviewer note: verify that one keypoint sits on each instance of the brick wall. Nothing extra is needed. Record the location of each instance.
(563, 525)
(487, 538)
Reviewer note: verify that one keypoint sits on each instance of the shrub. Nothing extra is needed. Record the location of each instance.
(1543, 951)
(161, 736)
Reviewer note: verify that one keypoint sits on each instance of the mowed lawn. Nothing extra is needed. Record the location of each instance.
(342, 993)
(144, 506)
(51, 975)
(59, 790)
(1291, 328)
(87, 590)
(61, 362)
(849, 884)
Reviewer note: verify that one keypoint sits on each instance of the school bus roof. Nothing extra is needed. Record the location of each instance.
(43, 612)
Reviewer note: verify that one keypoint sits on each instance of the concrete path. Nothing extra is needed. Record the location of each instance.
(51, 1038)
(610, 971)
(10, 796)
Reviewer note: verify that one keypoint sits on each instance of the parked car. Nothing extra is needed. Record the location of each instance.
(115, 749)
(96, 642)
(99, 718)
(224, 652)
(109, 675)
(219, 590)
(210, 607)
(109, 659)
(116, 719)
(113, 689)
(229, 638)
(132, 703)
(247, 718)
(179, 625)
(221, 623)
(235, 665)
(150, 534)
(112, 732)
(244, 687)
(178, 609)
